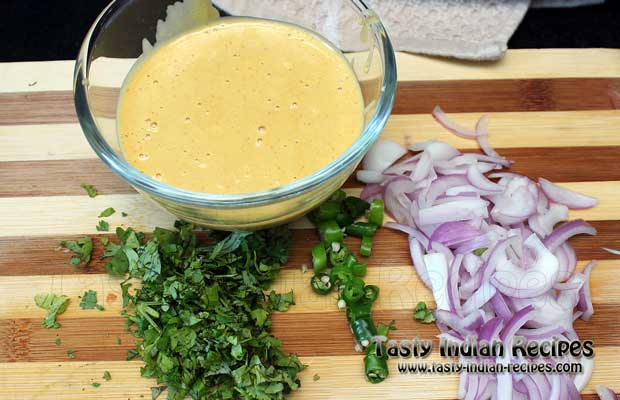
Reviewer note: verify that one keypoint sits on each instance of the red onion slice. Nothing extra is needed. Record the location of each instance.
(585, 299)
(367, 176)
(569, 198)
(605, 393)
(382, 154)
(437, 150)
(453, 233)
(612, 251)
(566, 231)
(454, 211)
(450, 125)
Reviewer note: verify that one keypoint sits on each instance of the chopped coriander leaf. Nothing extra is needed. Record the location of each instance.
(57, 341)
(196, 295)
(157, 391)
(316, 377)
(107, 212)
(82, 247)
(95, 384)
(106, 375)
(118, 341)
(89, 301)
(71, 353)
(423, 314)
(90, 190)
(124, 214)
(103, 226)
(105, 241)
(55, 305)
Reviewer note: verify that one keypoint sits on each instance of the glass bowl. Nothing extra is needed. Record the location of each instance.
(126, 27)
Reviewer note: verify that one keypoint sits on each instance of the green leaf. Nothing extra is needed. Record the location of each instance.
(107, 212)
(281, 302)
(90, 189)
(89, 300)
(124, 214)
(55, 305)
(260, 316)
(57, 341)
(82, 247)
(95, 384)
(71, 354)
(105, 241)
(316, 377)
(106, 375)
(157, 391)
(479, 252)
(103, 226)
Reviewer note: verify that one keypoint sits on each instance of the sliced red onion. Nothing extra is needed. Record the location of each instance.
(411, 231)
(479, 298)
(450, 125)
(454, 211)
(581, 380)
(454, 233)
(490, 330)
(612, 251)
(454, 298)
(540, 333)
(566, 231)
(437, 150)
(417, 256)
(517, 282)
(515, 323)
(569, 198)
(480, 181)
(465, 326)
(423, 168)
(372, 191)
(556, 387)
(585, 299)
(605, 393)
(382, 154)
(472, 263)
(476, 243)
(368, 176)
(482, 135)
(543, 223)
(437, 269)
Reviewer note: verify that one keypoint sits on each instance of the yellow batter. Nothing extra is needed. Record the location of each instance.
(241, 105)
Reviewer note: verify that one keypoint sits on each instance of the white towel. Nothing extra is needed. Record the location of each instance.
(468, 29)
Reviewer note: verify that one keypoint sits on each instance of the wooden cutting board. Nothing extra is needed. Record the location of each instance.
(554, 112)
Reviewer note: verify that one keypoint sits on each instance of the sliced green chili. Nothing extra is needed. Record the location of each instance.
(341, 274)
(375, 367)
(353, 291)
(319, 258)
(361, 229)
(321, 283)
(338, 196)
(327, 211)
(339, 257)
(375, 215)
(356, 206)
(330, 232)
(344, 219)
(371, 292)
(359, 269)
(366, 246)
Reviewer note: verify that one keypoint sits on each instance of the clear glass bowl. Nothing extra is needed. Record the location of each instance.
(116, 41)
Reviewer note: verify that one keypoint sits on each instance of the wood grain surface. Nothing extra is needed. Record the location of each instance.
(554, 112)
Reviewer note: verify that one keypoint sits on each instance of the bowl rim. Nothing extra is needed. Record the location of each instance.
(151, 186)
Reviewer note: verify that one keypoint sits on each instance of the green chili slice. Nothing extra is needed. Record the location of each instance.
(353, 291)
(341, 274)
(359, 269)
(356, 206)
(371, 292)
(344, 219)
(338, 196)
(327, 211)
(375, 215)
(330, 232)
(339, 257)
(375, 367)
(319, 258)
(366, 246)
(361, 229)
(321, 283)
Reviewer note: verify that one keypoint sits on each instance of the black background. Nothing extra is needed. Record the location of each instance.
(38, 30)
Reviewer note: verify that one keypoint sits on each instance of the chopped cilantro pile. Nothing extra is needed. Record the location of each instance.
(201, 316)
(54, 304)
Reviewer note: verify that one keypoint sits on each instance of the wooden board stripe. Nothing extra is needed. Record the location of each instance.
(23, 256)
(516, 64)
(63, 177)
(65, 380)
(508, 131)
(503, 95)
(76, 215)
(400, 290)
(96, 339)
